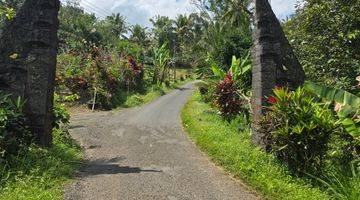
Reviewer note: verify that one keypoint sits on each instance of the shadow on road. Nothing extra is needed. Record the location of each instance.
(116, 169)
(111, 166)
(77, 126)
(182, 88)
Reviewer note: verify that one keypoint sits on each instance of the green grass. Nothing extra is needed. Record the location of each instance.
(41, 173)
(234, 152)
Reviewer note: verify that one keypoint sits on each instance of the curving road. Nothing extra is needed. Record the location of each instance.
(143, 153)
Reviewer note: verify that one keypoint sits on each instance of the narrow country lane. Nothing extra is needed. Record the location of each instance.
(143, 153)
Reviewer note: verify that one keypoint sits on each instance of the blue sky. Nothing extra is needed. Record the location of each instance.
(139, 11)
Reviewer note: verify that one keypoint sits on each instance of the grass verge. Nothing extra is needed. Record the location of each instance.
(40, 173)
(234, 151)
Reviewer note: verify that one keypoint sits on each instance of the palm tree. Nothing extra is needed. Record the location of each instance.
(238, 15)
(183, 25)
(118, 25)
(164, 32)
(139, 35)
(184, 35)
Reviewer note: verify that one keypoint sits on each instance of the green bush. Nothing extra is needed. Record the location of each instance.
(134, 100)
(347, 107)
(207, 91)
(61, 114)
(298, 130)
(326, 38)
(107, 72)
(228, 100)
(14, 134)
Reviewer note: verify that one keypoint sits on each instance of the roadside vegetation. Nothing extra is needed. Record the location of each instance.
(28, 171)
(312, 134)
(108, 63)
(230, 146)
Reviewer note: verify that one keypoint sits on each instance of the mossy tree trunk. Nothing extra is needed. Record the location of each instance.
(28, 49)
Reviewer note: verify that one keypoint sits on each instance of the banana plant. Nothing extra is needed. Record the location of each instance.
(239, 67)
(161, 60)
(348, 109)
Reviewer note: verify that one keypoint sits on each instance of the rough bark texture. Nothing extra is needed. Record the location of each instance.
(28, 49)
(275, 63)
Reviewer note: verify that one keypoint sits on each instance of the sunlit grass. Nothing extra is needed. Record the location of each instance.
(41, 173)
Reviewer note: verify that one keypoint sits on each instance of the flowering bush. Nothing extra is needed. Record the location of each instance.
(97, 73)
(132, 73)
(228, 99)
(298, 129)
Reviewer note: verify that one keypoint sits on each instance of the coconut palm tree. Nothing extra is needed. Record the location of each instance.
(237, 14)
(139, 35)
(163, 31)
(117, 24)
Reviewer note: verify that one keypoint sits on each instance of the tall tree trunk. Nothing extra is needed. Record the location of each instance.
(31, 39)
(274, 63)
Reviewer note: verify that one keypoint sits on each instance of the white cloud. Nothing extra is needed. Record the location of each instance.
(284, 8)
(140, 11)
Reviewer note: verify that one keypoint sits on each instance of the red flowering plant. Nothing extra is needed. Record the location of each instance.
(232, 93)
(298, 129)
(132, 73)
(274, 99)
(228, 99)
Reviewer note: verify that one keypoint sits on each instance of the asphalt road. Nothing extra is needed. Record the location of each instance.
(143, 153)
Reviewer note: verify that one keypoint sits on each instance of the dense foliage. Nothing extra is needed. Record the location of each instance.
(298, 129)
(102, 61)
(326, 38)
(14, 134)
(347, 108)
(227, 99)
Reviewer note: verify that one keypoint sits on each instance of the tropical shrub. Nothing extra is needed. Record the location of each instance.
(347, 107)
(298, 129)
(97, 76)
(132, 73)
(207, 90)
(240, 69)
(231, 93)
(14, 134)
(61, 115)
(227, 98)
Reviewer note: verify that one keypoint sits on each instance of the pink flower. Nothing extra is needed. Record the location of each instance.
(338, 107)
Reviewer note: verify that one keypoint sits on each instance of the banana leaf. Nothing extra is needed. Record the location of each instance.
(331, 94)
